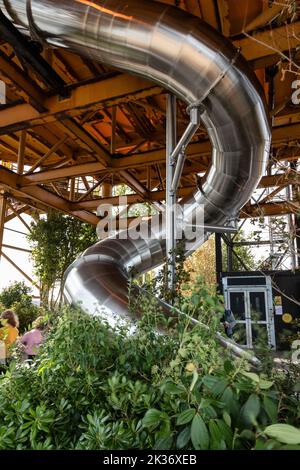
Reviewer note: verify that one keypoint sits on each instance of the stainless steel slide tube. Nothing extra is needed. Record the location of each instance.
(190, 60)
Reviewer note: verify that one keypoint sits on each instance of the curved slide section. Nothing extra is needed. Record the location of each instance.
(192, 61)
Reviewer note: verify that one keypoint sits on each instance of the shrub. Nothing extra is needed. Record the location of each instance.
(98, 387)
(17, 297)
(14, 293)
(27, 312)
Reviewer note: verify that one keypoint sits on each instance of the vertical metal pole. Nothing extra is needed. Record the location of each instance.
(291, 231)
(2, 220)
(170, 196)
(229, 254)
(113, 130)
(295, 197)
(219, 260)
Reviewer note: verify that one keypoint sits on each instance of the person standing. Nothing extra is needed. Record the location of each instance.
(229, 322)
(9, 332)
(32, 340)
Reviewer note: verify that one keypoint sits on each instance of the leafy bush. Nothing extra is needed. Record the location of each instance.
(98, 387)
(27, 312)
(17, 297)
(13, 293)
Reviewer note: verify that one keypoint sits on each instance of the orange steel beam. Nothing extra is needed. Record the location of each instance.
(265, 43)
(12, 215)
(92, 204)
(104, 93)
(11, 183)
(78, 133)
(10, 70)
(194, 151)
(270, 209)
(279, 180)
(121, 87)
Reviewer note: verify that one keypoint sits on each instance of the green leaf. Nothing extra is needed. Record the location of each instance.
(284, 433)
(173, 389)
(186, 416)
(199, 433)
(194, 381)
(227, 418)
(225, 431)
(289, 447)
(152, 418)
(183, 437)
(231, 402)
(217, 385)
(164, 443)
(271, 408)
(214, 430)
(265, 384)
(250, 410)
(251, 375)
(228, 367)
(248, 435)
(217, 442)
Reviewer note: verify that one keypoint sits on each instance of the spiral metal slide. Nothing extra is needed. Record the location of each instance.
(192, 61)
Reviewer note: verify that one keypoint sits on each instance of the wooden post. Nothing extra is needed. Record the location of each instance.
(21, 152)
(106, 190)
(72, 190)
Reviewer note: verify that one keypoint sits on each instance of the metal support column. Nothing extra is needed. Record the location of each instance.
(229, 254)
(291, 232)
(170, 195)
(2, 220)
(219, 260)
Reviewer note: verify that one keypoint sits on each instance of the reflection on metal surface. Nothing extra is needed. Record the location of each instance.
(190, 60)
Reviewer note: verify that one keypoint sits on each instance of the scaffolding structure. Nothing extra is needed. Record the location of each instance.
(71, 130)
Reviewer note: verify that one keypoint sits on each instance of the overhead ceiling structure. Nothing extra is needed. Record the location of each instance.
(71, 129)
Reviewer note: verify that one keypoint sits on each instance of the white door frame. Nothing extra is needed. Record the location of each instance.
(269, 309)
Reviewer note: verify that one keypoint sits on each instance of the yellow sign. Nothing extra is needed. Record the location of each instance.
(287, 317)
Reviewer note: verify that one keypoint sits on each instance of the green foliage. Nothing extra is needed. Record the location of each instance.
(17, 297)
(243, 254)
(56, 241)
(98, 387)
(27, 312)
(13, 293)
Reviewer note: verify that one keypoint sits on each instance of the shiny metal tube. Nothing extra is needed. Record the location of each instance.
(170, 215)
(179, 151)
(190, 60)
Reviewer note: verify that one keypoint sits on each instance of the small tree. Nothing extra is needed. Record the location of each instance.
(242, 256)
(17, 296)
(203, 263)
(56, 241)
(14, 293)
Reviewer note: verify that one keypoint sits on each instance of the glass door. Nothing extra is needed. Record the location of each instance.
(258, 318)
(250, 309)
(237, 304)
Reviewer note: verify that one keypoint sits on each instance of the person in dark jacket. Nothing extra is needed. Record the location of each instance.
(229, 322)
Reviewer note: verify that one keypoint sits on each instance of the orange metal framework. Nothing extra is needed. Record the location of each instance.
(109, 128)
